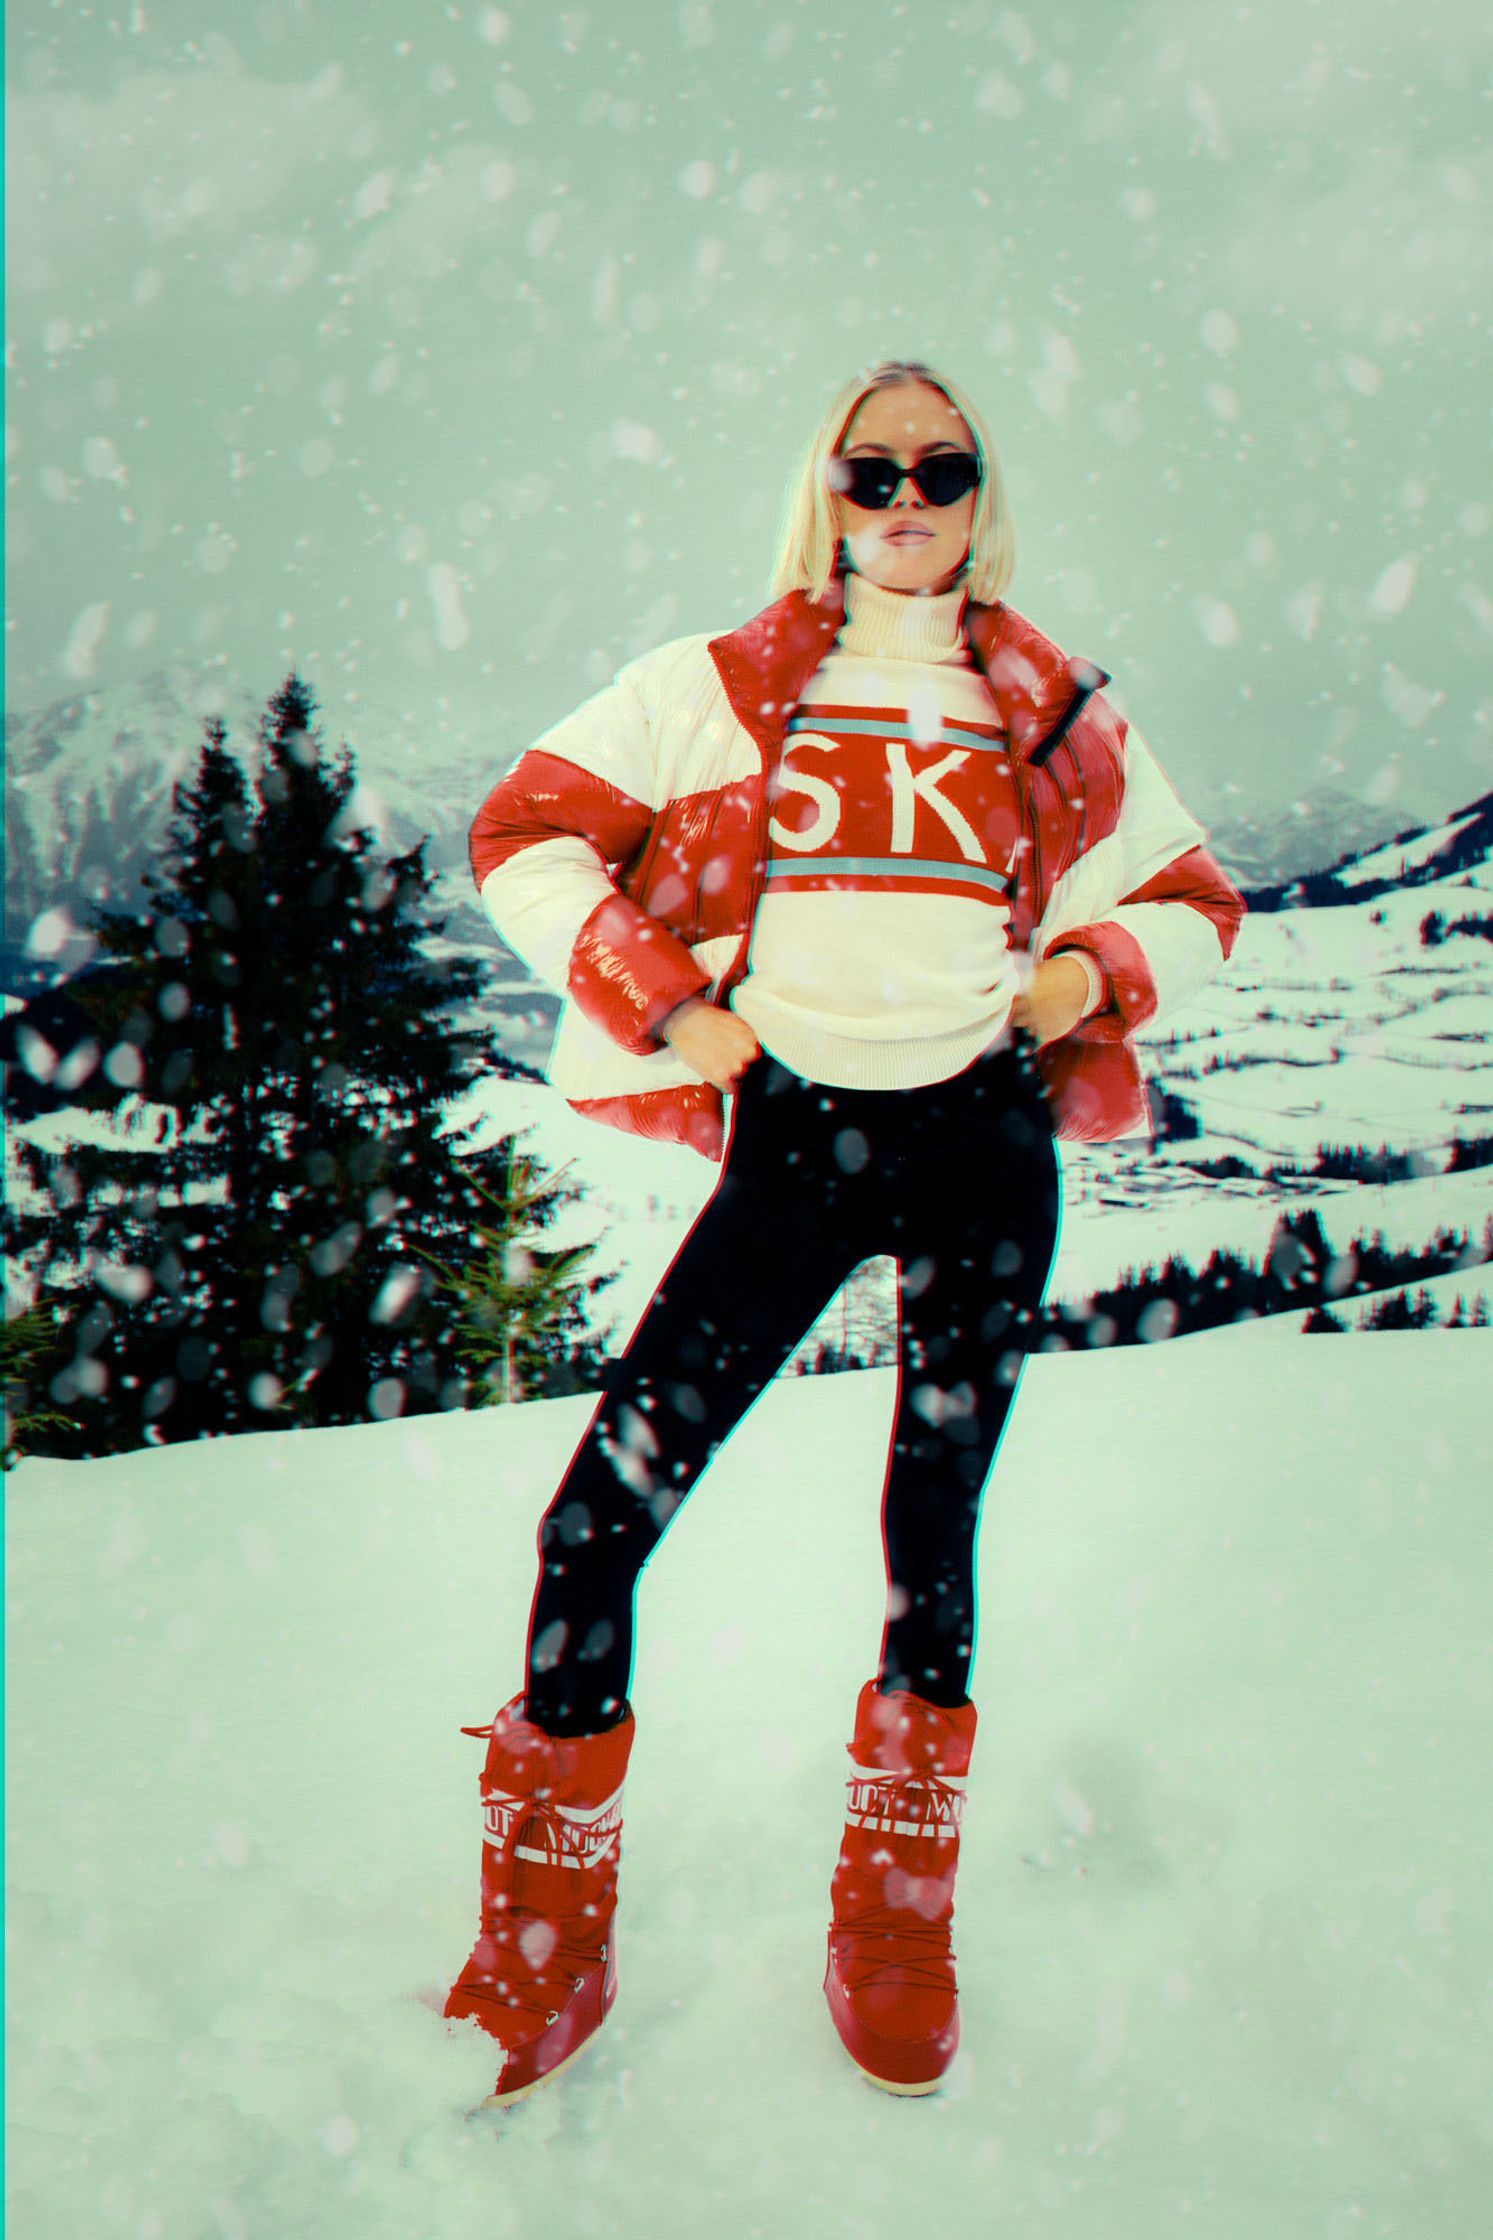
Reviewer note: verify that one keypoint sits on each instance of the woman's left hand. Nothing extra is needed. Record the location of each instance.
(1053, 1001)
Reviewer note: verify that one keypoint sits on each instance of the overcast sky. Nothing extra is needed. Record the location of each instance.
(454, 353)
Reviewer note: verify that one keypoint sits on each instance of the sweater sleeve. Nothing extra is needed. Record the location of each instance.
(1098, 994)
(1174, 915)
(543, 846)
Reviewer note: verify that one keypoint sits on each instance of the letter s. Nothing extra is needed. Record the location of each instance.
(826, 822)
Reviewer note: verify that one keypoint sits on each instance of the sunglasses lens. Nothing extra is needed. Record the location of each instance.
(868, 483)
(948, 476)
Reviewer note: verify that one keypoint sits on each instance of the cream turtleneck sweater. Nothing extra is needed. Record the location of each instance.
(879, 956)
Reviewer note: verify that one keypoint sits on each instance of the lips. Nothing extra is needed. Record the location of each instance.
(908, 536)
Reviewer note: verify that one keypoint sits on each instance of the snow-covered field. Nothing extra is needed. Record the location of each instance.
(1336, 1025)
(1329, 1026)
(1222, 1923)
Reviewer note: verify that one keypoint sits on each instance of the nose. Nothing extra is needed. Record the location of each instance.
(907, 492)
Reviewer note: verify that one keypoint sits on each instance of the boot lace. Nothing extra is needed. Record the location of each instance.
(877, 1940)
(540, 1990)
(886, 1940)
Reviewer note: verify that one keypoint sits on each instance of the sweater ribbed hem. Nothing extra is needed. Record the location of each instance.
(846, 1062)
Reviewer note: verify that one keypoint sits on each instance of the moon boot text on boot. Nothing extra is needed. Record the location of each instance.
(542, 1976)
(890, 1977)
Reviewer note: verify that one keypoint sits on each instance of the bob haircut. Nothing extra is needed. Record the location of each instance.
(808, 551)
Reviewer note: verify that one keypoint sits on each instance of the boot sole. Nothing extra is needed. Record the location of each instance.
(904, 2087)
(886, 2084)
(537, 2084)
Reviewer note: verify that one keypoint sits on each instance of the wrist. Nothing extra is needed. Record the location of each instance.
(681, 1011)
(1095, 986)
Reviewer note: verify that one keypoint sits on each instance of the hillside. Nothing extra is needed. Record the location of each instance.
(1332, 1025)
(1335, 1024)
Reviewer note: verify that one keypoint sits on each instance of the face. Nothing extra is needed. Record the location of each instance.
(912, 546)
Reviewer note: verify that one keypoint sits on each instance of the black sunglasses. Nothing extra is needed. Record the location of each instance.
(942, 479)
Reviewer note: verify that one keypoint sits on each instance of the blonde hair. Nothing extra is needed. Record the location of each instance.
(808, 544)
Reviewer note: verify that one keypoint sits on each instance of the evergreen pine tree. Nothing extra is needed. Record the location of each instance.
(246, 1245)
(519, 1305)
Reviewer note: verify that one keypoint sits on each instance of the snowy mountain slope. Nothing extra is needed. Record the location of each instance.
(1335, 1024)
(89, 783)
(1414, 853)
(1318, 828)
(1329, 1026)
(1410, 858)
(1220, 1921)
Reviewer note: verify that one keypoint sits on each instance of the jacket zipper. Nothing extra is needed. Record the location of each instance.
(1054, 738)
(737, 971)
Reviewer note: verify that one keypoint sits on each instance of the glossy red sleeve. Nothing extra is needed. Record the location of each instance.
(1121, 959)
(542, 797)
(1198, 879)
(628, 972)
(1194, 879)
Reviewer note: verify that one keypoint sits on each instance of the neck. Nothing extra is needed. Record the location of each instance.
(903, 625)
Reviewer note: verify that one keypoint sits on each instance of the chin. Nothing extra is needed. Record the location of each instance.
(924, 580)
(910, 571)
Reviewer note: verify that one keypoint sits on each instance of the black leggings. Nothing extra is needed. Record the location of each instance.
(960, 1182)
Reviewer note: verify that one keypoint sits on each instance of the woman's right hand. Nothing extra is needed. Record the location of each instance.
(713, 1043)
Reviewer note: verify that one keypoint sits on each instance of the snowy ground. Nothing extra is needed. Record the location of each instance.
(1222, 1923)
(1336, 1025)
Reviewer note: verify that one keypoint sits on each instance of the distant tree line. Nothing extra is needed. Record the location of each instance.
(1149, 1304)
(1466, 848)
(1435, 928)
(1355, 1162)
(1300, 1269)
(1402, 1312)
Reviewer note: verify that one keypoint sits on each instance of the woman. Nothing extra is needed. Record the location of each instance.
(883, 867)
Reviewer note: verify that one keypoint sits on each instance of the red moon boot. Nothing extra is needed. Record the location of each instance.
(542, 1975)
(890, 1979)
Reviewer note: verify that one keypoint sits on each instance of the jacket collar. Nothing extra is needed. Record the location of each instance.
(1038, 689)
(766, 664)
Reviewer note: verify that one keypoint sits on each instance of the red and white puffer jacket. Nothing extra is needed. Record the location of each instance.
(623, 855)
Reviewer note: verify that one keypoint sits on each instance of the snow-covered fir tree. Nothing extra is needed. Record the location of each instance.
(249, 1240)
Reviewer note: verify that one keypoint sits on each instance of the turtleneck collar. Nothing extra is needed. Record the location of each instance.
(902, 625)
